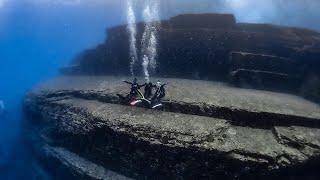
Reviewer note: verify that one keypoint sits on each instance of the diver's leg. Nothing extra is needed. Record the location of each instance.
(132, 94)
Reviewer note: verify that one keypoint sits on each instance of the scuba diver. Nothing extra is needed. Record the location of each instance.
(136, 98)
(159, 94)
(134, 88)
(148, 90)
(134, 94)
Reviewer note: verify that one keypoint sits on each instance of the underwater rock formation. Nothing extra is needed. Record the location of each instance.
(78, 128)
(200, 46)
(217, 132)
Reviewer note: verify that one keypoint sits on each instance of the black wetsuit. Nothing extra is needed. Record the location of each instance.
(148, 90)
(134, 88)
(160, 93)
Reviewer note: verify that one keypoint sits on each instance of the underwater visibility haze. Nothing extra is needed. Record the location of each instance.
(37, 38)
(225, 89)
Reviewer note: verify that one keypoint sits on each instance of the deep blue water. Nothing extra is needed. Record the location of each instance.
(35, 41)
(38, 37)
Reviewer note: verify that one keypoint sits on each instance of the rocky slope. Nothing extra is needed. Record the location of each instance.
(207, 130)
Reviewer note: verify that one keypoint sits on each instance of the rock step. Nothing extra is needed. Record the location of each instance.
(240, 117)
(77, 167)
(245, 107)
(155, 144)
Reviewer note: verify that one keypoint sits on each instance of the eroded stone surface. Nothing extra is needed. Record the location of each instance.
(141, 142)
(202, 97)
(299, 136)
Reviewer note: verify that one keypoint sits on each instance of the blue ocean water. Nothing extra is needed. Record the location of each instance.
(35, 41)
